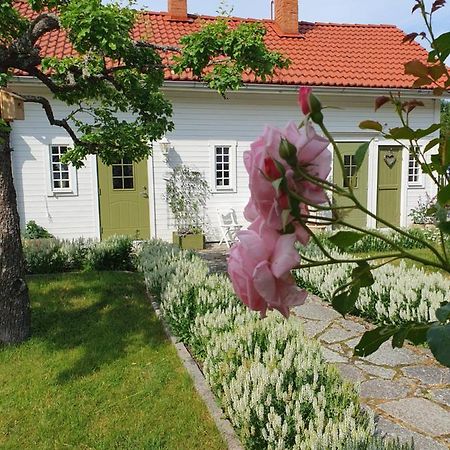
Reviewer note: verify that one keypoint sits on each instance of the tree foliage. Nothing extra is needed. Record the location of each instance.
(113, 82)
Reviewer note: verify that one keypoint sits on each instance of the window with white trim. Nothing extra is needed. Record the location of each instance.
(414, 170)
(222, 167)
(62, 177)
(60, 171)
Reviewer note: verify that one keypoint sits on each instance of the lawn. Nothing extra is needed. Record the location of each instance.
(98, 373)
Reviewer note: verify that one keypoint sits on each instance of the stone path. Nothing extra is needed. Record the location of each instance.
(408, 391)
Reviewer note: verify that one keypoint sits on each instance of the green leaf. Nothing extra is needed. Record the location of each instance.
(372, 340)
(345, 302)
(444, 227)
(438, 338)
(443, 313)
(402, 133)
(398, 339)
(360, 154)
(432, 144)
(371, 125)
(362, 274)
(443, 196)
(345, 239)
(421, 133)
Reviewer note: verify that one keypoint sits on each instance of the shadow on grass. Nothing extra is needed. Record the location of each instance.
(100, 313)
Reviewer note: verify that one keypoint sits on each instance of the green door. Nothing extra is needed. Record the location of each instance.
(124, 204)
(389, 184)
(359, 182)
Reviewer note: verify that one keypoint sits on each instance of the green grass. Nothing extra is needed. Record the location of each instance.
(98, 373)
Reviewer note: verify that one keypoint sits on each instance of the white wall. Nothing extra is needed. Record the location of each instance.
(203, 119)
(65, 216)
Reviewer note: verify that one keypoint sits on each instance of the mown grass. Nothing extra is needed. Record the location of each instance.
(98, 373)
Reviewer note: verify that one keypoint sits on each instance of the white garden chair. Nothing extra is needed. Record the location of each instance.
(228, 226)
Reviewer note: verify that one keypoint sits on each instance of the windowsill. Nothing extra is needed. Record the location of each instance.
(63, 194)
(224, 191)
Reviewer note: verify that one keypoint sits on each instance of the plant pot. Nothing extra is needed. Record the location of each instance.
(189, 241)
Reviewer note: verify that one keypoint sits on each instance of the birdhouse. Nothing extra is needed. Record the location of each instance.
(11, 106)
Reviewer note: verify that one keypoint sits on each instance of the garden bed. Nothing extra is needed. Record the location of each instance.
(270, 379)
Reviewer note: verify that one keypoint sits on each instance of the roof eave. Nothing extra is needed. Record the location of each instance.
(272, 88)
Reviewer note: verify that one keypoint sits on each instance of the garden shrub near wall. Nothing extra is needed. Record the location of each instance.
(53, 255)
(270, 379)
(371, 243)
(400, 294)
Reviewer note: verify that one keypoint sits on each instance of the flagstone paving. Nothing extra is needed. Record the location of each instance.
(406, 388)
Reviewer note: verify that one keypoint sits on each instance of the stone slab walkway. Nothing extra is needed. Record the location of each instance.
(407, 390)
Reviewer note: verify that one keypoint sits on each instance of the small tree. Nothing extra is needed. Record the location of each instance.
(109, 73)
(186, 193)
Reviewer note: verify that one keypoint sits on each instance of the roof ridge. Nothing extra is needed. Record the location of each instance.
(271, 21)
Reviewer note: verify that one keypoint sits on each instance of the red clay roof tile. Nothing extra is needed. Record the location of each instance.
(323, 54)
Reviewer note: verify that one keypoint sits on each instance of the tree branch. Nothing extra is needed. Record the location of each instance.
(51, 117)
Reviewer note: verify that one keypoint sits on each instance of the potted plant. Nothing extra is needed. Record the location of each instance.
(186, 193)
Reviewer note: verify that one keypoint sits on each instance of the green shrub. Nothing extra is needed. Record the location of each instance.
(35, 231)
(114, 253)
(43, 256)
(399, 294)
(53, 255)
(271, 380)
(369, 244)
(75, 253)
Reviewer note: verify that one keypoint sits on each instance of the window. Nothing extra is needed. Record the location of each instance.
(413, 170)
(222, 158)
(123, 175)
(350, 169)
(60, 173)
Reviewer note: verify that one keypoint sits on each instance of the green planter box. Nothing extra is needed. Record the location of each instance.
(189, 241)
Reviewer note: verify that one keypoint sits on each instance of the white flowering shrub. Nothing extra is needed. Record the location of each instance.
(400, 294)
(371, 243)
(271, 380)
(278, 391)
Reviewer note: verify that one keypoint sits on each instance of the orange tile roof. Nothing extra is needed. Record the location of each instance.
(323, 54)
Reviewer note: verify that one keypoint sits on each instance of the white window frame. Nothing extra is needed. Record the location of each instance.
(232, 145)
(419, 182)
(72, 190)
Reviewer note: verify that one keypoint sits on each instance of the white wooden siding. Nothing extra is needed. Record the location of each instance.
(65, 216)
(202, 119)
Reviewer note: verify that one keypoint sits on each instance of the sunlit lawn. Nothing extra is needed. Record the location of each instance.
(98, 373)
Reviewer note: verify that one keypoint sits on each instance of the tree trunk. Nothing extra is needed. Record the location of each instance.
(15, 314)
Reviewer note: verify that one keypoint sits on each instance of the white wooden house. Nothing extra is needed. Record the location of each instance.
(348, 66)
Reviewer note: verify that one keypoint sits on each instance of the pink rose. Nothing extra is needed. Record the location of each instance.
(313, 157)
(259, 267)
(303, 99)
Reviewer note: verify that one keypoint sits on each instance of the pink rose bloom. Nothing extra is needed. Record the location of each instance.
(312, 155)
(259, 267)
(303, 99)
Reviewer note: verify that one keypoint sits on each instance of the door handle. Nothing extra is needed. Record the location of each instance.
(144, 192)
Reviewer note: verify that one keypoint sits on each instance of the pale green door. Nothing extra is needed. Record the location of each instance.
(124, 204)
(389, 184)
(358, 179)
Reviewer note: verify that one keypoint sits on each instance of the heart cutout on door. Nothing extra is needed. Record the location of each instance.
(390, 159)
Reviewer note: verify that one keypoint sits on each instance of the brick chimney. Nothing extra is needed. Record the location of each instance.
(178, 9)
(286, 16)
